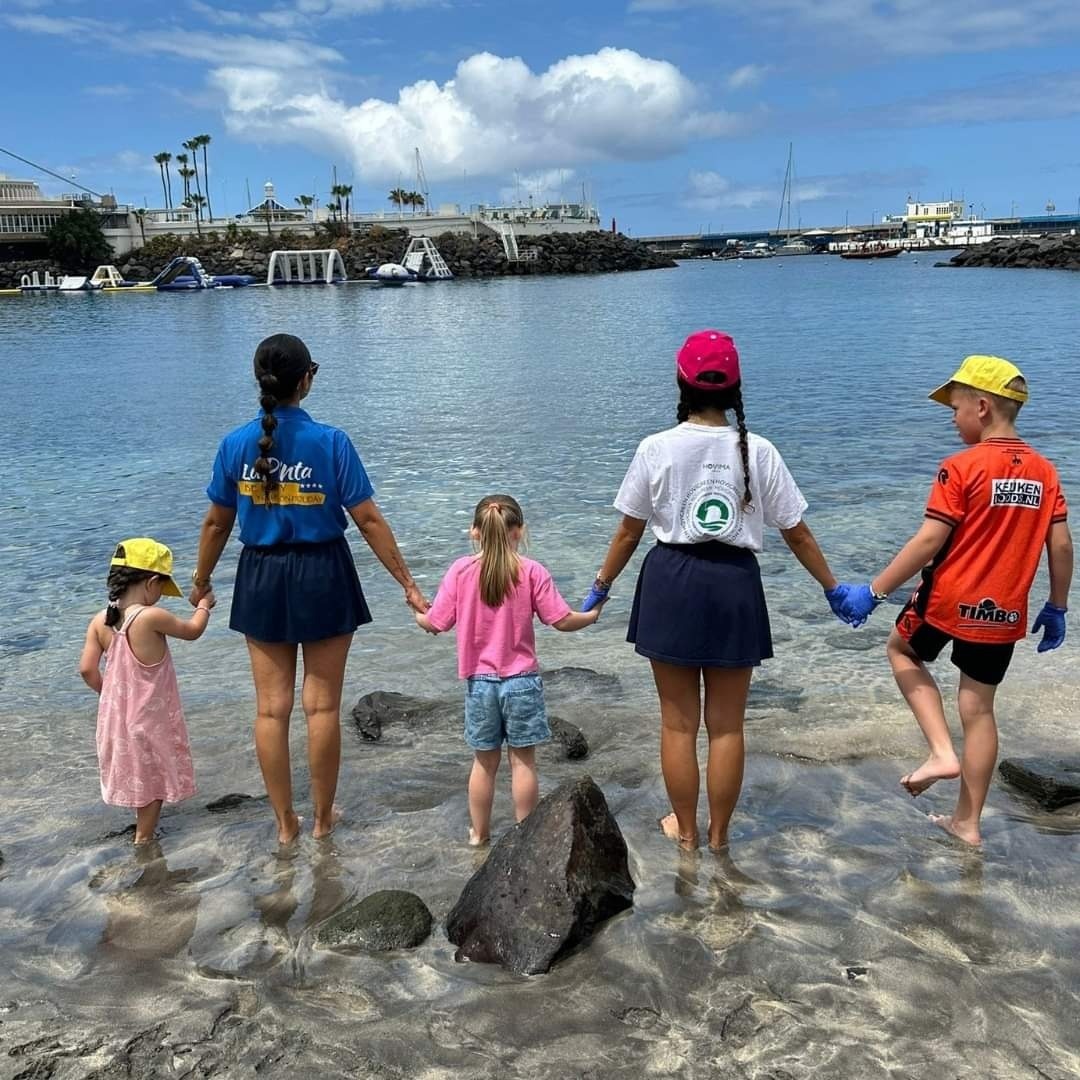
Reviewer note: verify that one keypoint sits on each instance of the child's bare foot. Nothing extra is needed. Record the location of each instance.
(323, 829)
(476, 840)
(289, 830)
(669, 826)
(718, 841)
(929, 772)
(968, 835)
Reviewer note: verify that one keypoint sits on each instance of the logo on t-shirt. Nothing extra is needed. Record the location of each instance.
(1011, 492)
(711, 510)
(987, 611)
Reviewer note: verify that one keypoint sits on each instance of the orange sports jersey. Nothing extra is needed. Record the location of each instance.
(1001, 498)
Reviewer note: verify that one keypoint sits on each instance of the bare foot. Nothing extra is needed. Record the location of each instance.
(288, 832)
(476, 840)
(669, 826)
(970, 837)
(929, 772)
(717, 842)
(321, 832)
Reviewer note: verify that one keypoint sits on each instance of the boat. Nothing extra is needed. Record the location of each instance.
(790, 246)
(872, 252)
(760, 250)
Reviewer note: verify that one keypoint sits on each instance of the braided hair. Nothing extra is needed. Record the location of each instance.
(281, 362)
(694, 399)
(120, 579)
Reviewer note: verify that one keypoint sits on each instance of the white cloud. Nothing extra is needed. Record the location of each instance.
(711, 191)
(549, 185)
(301, 13)
(749, 75)
(110, 90)
(494, 116)
(865, 28)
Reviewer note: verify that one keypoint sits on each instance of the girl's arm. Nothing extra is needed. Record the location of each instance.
(425, 623)
(623, 545)
(578, 620)
(804, 547)
(912, 557)
(165, 622)
(214, 534)
(90, 660)
(380, 538)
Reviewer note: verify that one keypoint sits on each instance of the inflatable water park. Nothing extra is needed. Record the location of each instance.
(420, 264)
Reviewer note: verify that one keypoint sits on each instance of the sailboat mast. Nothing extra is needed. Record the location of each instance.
(785, 195)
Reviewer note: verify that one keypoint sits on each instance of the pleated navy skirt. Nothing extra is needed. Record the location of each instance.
(297, 592)
(701, 605)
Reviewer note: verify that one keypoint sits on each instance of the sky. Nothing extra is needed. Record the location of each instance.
(672, 116)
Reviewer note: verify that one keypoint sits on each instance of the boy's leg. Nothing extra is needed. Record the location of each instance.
(976, 702)
(726, 690)
(524, 783)
(924, 699)
(482, 794)
(273, 669)
(679, 689)
(146, 821)
(324, 674)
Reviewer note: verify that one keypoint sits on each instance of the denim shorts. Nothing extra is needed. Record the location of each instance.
(507, 710)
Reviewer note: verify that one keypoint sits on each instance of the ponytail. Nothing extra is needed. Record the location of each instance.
(120, 579)
(268, 400)
(500, 565)
(694, 399)
(744, 445)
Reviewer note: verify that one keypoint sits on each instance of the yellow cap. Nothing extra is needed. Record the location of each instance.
(142, 553)
(989, 373)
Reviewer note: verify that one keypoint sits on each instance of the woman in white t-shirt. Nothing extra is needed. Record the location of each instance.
(707, 490)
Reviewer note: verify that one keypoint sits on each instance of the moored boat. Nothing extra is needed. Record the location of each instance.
(871, 253)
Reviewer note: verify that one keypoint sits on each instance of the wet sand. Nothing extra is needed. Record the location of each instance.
(840, 935)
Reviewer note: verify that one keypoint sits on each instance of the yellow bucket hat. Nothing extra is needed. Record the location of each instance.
(142, 553)
(989, 373)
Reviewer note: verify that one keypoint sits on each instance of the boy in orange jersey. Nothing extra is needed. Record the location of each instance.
(992, 509)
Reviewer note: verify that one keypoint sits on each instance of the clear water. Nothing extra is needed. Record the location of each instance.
(541, 388)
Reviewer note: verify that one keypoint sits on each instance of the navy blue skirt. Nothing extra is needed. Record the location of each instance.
(297, 592)
(701, 605)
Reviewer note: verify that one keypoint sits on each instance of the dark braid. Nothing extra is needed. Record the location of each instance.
(694, 399)
(120, 579)
(281, 362)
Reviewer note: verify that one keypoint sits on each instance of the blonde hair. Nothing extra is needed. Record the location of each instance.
(1007, 408)
(500, 565)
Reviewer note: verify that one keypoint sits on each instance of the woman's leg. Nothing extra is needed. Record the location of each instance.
(524, 783)
(146, 820)
(482, 794)
(679, 689)
(324, 674)
(273, 668)
(726, 690)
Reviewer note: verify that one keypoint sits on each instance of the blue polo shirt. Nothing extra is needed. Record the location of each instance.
(318, 473)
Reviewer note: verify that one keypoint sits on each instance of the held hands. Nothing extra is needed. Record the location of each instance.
(1051, 620)
(597, 595)
(208, 600)
(851, 604)
(200, 592)
(415, 599)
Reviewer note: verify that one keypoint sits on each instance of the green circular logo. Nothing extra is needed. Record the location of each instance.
(713, 515)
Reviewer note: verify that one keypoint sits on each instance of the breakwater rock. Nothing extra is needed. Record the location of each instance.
(547, 885)
(247, 252)
(1023, 253)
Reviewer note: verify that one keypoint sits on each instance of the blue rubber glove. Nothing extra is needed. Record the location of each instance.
(859, 603)
(1051, 620)
(597, 595)
(837, 597)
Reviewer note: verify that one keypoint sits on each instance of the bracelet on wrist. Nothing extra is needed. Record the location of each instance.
(600, 585)
(199, 582)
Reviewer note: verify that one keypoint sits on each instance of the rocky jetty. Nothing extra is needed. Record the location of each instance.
(1023, 253)
(245, 251)
(547, 885)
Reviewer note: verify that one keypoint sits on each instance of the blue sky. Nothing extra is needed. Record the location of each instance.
(675, 115)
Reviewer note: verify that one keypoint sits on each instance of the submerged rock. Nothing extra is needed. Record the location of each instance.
(569, 738)
(547, 884)
(1051, 782)
(228, 802)
(373, 711)
(579, 680)
(385, 920)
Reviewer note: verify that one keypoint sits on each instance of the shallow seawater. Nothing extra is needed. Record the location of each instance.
(841, 935)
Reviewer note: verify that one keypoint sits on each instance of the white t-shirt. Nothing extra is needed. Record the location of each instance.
(687, 482)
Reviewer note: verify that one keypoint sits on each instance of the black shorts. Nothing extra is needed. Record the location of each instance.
(979, 660)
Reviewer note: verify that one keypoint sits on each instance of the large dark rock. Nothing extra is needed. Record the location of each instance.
(373, 711)
(1051, 782)
(569, 739)
(547, 884)
(385, 920)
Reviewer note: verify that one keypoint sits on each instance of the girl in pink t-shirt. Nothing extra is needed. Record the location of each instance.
(491, 599)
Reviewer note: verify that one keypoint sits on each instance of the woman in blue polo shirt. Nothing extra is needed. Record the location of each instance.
(291, 480)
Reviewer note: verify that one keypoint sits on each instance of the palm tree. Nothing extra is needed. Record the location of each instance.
(414, 199)
(181, 161)
(397, 197)
(193, 146)
(346, 190)
(306, 201)
(198, 201)
(336, 193)
(186, 174)
(140, 217)
(162, 160)
(204, 142)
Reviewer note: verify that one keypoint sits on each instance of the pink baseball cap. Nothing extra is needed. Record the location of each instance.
(708, 350)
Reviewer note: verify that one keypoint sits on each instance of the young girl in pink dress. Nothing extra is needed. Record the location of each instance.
(142, 741)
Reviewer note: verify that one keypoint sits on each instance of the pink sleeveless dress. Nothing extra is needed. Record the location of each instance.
(142, 740)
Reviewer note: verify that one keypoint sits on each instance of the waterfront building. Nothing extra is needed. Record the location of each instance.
(26, 215)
